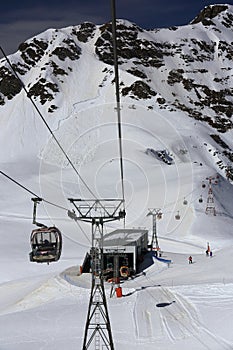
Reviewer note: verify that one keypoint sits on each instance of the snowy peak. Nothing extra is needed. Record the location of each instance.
(186, 69)
(212, 11)
(46, 56)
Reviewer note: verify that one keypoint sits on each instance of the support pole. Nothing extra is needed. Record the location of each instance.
(210, 205)
(97, 333)
(155, 213)
(35, 202)
(97, 324)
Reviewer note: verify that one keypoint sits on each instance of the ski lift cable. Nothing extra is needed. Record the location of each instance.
(29, 191)
(117, 90)
(180, 199)
(43, 119)
(44, 200)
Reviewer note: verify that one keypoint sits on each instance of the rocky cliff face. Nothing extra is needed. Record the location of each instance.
(167, 64)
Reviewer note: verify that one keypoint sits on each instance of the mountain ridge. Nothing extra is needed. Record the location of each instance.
(186, 69)
(139, 50)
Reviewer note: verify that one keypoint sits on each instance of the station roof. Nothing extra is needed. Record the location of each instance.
(123, 237)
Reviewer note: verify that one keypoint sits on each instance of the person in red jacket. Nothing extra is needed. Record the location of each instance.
(190, 260)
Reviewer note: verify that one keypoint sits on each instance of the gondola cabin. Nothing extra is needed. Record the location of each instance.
(46, 243)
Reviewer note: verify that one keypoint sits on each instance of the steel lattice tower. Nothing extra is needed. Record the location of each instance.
(156, 214)
(98, 333)
(100, 211)
(210, 206)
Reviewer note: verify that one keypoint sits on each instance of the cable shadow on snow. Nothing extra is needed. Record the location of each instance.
(160, 305)
(140, 289)
(165, 304)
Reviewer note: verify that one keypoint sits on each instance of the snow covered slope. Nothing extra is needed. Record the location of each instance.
(176, 102)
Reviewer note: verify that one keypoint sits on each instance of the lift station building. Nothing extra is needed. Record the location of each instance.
(127, 245)
(121, 248)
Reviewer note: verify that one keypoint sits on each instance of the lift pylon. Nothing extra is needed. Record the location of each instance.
(156, 214)
(210, 205)
(98, 329)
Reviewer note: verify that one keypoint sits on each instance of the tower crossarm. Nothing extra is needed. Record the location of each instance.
(94, 209)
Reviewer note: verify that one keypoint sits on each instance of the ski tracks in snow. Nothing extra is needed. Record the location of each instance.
(163, 316)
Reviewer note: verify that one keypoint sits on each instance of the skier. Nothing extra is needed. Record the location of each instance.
(190, 260)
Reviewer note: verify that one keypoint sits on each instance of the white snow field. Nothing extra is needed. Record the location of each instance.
(171, 307)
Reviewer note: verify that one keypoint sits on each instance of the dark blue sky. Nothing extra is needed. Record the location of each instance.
(22, 19)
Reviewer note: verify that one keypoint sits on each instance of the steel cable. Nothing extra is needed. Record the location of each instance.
(48, 127)
(117, 96)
